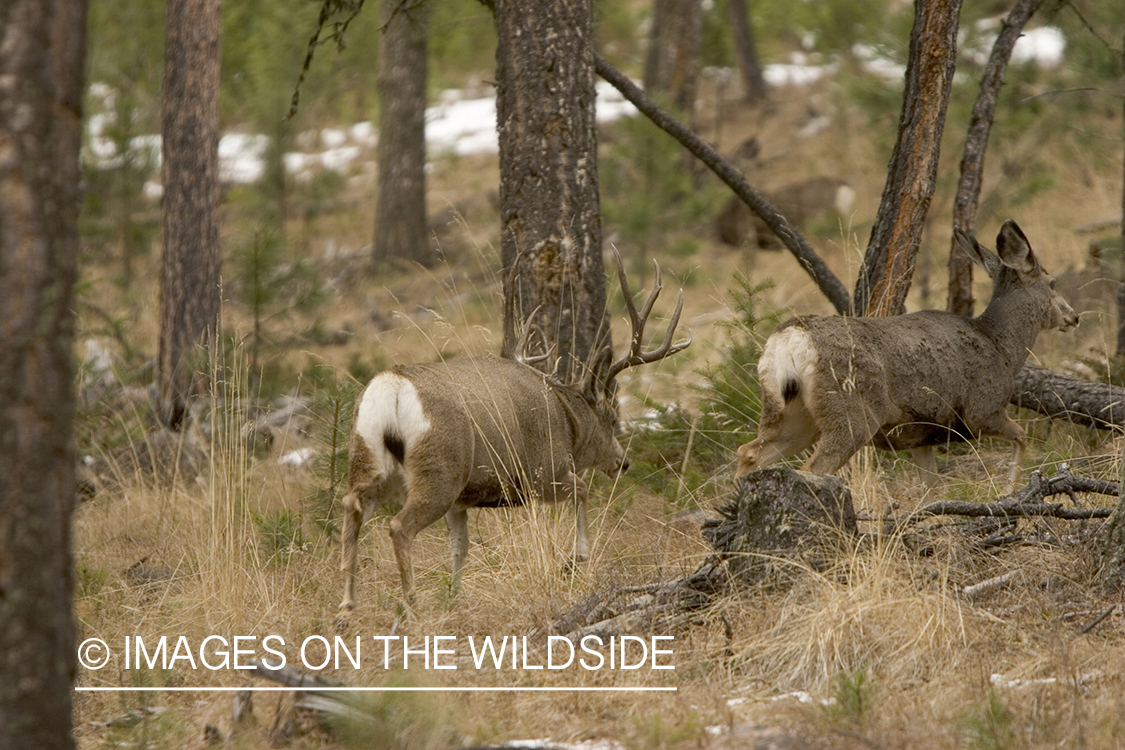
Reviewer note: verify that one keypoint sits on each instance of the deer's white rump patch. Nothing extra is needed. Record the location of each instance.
(390, 407)
(789, 355)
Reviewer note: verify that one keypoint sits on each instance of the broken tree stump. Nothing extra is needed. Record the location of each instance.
(781, 521)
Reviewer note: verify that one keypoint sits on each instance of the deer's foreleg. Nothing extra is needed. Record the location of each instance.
(579, 493)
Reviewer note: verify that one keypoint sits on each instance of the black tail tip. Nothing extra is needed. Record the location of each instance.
(395, 446)
(790, 389)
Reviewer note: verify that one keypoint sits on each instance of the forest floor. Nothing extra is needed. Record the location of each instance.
(882, 651)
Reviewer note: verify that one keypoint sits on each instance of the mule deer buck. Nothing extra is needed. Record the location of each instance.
(484, 432)
(908, 381)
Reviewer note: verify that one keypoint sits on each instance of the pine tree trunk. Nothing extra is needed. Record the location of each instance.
(746, 52)
(888, 264)
(672, 64)
(189, 288)
(960, 298)
(400, 211)
(42, 50)
(1121, 289)
(1112, 544)
(550, 220)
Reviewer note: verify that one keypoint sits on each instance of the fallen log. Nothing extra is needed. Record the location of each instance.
(1060, 396)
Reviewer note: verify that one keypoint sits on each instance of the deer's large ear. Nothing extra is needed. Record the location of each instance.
(977, 252)
(1015, 250)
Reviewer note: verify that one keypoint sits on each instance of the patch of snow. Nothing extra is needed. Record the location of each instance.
(333, 137)
(1044, 46)
(794, 74)
(464, 126)
(803, 697)
(364, 133)
(339, 159)
(241, 157)
(298, 457)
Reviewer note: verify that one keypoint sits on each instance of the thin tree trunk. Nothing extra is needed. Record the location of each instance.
(1121, 289)
(891, 253)
(42, 50)
(400, 213)
(1111, 546)
(189, 289)
(746, 52)
(829, 285)
(550, 219)
(672, 64)
(960, 299)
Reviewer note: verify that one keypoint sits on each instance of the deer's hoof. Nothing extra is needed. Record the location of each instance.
(344, 617)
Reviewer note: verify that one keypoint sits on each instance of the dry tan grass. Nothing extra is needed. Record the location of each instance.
(885, 608)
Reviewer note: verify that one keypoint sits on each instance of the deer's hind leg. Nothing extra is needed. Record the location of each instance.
(851, 426)
(457, 521)
(359, 503)
(429, 496)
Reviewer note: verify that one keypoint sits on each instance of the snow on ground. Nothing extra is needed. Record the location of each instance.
(464, 126)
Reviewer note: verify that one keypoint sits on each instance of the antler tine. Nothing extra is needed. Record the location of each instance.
(638, 321)
(521, 346)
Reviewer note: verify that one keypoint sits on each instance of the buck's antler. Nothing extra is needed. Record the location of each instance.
(638, 320)
(520, 354)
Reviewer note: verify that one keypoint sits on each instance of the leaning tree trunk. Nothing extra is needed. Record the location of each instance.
(672, 64)
(889, 262)
(550, 219)
(960, 298)
(189, 288)
(400, 212)
(746, 52)
(42, 50)
(828, 283)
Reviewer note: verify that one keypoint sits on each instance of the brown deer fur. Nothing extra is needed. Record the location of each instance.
(909, 381)
(482, 432)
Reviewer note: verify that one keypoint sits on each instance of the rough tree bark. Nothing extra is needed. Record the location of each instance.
(42, 50)
(888, 264)
(960, 299)
(746, 52)
(189, 287)
(790, 236)
(400, 211)
(550, 217)
(1060, 396)
(1111, 546)
(1121, 289)
(672, 63)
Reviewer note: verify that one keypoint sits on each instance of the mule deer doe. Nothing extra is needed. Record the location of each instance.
(908, 381)
(484, 432)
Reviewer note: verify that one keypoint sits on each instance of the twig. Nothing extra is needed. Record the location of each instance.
(984, 588)
(1098, 621)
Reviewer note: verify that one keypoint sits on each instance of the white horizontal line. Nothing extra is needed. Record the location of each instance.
(346, 689)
